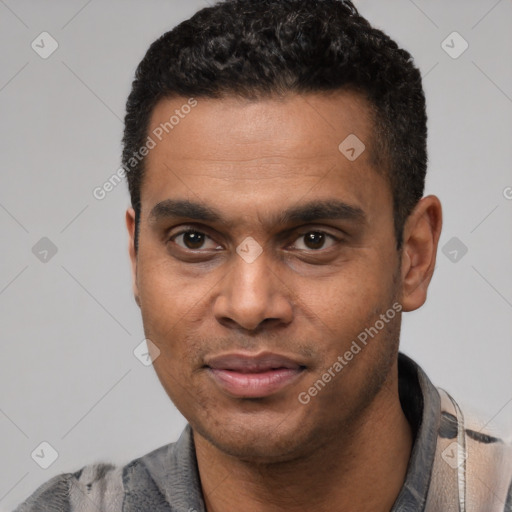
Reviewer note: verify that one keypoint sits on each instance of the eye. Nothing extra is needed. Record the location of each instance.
(193, 240)
(314, 240)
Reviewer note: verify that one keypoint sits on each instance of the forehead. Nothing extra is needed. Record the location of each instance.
(283, 123)
(262, 152)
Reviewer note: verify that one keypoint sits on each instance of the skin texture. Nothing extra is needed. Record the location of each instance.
(348, 448)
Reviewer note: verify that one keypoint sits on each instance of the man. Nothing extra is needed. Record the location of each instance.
(276, 155)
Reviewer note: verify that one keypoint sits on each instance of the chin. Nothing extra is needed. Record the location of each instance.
(265, 439)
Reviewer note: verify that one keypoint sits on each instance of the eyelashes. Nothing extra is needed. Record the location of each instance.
(193, 238)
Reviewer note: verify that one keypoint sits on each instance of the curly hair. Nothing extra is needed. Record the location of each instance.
(261, 48)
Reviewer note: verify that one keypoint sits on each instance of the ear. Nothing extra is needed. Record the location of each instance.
(420, 240)
(130, 224)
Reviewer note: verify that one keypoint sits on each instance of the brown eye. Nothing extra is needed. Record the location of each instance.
(314, 240)
(193, 240)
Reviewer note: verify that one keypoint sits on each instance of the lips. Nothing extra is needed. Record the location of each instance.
(253, 376)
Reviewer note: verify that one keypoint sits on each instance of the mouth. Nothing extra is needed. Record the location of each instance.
(253, 376)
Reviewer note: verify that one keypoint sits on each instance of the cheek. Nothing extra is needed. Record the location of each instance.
(174, 309)
(346, 304)
(355, 290)
(166, 293)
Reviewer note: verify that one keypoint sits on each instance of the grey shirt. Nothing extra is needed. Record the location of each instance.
(452, 467)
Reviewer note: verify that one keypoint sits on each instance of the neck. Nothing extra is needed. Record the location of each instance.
(360, 471)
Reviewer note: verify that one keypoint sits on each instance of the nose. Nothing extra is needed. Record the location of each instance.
(253, 296)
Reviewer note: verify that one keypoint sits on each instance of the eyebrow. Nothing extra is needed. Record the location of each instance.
(172, 208)
(319, 210)
(332, 209)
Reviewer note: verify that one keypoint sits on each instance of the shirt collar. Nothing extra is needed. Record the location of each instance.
(422, 406)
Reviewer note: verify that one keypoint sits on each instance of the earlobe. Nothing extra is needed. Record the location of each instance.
(131, 225)
(421, 237)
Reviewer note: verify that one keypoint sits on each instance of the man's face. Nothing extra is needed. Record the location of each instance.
(264, 252)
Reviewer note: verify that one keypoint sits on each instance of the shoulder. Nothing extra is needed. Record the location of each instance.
(475, 456)
(149, 482)
(94, 487)
(100, 484)
(52, 495)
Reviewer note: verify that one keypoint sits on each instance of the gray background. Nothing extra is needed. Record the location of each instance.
(69, 325)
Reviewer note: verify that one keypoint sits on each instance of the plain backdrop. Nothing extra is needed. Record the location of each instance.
(69, 324)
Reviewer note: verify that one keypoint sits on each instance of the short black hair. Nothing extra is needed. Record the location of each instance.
(262, 48)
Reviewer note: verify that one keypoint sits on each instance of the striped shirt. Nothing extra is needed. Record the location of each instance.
(454, 467)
